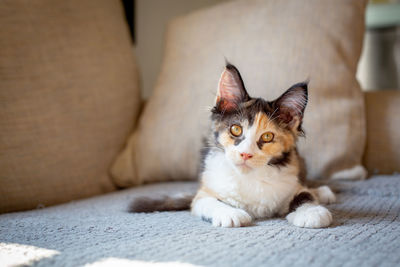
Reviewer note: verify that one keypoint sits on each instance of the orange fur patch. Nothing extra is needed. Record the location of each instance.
(283, 140)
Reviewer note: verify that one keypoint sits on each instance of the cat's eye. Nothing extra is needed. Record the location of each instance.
(236, 130)
(267, 137)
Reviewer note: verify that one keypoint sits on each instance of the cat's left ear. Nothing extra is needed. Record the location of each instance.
(231, 90)
(291, 105)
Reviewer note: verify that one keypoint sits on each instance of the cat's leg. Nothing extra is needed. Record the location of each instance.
(324, 195)
(305, 211)
(218, 213)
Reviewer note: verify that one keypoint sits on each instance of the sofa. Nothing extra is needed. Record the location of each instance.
(67, 110)
(99, 231)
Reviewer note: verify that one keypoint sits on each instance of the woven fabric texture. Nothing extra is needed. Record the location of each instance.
(275, 44)
(68, 98)
(382, 154)
(100, 232)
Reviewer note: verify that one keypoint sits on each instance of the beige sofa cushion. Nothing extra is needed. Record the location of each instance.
(274, 44)
(68, 98)
(383, 132)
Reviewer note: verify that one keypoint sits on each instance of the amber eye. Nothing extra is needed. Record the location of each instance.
(267, 137)
(236, 130)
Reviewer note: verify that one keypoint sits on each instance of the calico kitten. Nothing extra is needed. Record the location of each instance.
(252, 169)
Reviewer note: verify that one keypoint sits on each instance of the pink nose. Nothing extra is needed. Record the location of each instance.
(246, 156)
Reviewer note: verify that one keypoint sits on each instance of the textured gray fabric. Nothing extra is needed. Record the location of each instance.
(365, 232)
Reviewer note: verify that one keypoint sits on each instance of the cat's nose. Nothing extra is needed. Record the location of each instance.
(246, 156)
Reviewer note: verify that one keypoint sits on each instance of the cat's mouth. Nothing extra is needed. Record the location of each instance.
(243, 166)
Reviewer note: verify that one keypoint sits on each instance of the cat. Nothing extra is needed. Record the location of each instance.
(252, 169)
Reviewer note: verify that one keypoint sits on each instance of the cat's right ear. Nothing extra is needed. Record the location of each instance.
(291, 105)
(231, 90)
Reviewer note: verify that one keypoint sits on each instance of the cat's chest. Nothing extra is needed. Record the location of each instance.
(262, 193)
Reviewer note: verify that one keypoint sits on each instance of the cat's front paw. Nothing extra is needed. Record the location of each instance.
(230, 217)
(325, 195)
(310, 216)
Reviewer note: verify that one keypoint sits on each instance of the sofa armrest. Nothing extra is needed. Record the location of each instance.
(382, 154)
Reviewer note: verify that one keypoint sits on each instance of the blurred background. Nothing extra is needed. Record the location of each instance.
(379, 66)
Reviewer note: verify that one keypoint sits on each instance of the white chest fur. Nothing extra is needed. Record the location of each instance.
(262, 192)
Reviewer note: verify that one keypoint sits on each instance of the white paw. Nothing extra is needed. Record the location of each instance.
(325, 195)
(310, 216)
(230, 217)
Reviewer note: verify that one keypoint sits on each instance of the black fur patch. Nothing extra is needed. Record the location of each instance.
(280, 161)
(260, 144)
(216, 135)
(164, 203)
(244, 112)
(299, 200)
(238, 140)
(259, 105)
(203, 154)
(146, 204)
(206, 219)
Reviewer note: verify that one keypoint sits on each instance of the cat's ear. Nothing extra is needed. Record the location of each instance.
(291, 105)
(231, 90)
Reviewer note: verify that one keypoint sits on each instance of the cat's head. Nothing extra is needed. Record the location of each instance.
(254, 132)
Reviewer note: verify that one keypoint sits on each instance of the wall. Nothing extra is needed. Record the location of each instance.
(151, 19)
(378, 68)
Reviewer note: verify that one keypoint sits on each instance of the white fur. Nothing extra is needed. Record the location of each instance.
(220, 213)
(310, 216)
(265, 196)
(358, 172)
(325, 195)
(247, 145)
(252, 188)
